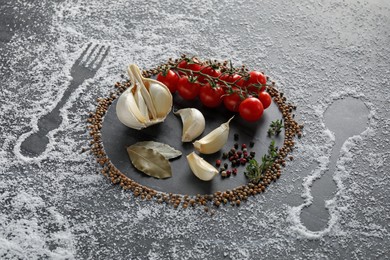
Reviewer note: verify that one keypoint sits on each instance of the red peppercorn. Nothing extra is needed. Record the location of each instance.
(234, 171)
(228, 173)
(243, 161)
(243, 146)
(218, 163)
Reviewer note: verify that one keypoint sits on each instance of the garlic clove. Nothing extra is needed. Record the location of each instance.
(201, 168)
(215, 140)
(135, 73)
(128, 112)
(140, 101)
(193, 123)
(146, 102)
(159, 93)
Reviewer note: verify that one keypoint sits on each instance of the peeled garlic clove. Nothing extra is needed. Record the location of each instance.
(193, 123)
(202, 169)
(215, 140)
(146, 102)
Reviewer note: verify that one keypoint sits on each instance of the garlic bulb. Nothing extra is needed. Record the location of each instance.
(215, 140)
(193, 123)
(146, 102)
(202, 169)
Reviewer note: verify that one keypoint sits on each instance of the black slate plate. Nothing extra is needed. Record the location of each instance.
(116, 137)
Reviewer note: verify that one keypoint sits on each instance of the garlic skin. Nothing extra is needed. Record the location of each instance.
(215, 140)
(200, 168)
(193, 123)
(146, 102)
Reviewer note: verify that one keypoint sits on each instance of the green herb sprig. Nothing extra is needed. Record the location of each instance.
(254, 171)
(275, 127)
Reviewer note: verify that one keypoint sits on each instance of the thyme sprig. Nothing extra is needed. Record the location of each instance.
(255, 172)
(275, 127)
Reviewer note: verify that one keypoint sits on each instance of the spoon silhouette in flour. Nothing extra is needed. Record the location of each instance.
(345, 118)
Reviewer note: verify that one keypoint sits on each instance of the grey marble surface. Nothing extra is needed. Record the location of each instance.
(331, 58)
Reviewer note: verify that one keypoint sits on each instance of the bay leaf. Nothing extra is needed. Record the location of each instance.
(167, 151)
(149, 161)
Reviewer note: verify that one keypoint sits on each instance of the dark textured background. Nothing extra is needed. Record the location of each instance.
(319, 52)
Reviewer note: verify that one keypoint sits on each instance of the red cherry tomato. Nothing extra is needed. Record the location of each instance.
(187, 89)
(231, 78)
(170, 80)
(256, 79)
(232, 100)
(265, 99)
(211, 96)
(182, 65)
(251, 109)
(194, 66)
(209, 70)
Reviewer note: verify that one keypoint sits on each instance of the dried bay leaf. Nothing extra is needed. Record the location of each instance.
(167, 151)
(149, 161)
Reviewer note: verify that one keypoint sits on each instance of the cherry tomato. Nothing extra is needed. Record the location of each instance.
(209, 70)
(232, 100)
(170, 80)
(187, 89)
(256, 78)
(211, 96)
(194, 66)
(231, 78)
(251, 109)
(265, 99)
(189, 64)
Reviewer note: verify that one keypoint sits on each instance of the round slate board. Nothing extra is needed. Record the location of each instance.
(117, 137)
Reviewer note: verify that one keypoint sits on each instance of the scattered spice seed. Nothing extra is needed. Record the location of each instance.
(225, 156)
(218, 163)
(236, 137)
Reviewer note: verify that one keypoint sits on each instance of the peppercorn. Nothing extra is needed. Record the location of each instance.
(218, 163)
(224, 155)
(251, 144)
(243, 146)
(236, 137)
(228, 173)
